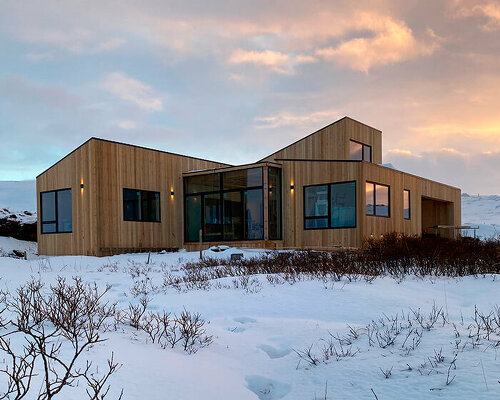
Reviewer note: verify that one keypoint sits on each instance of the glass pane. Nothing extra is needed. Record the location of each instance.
(48, 206)
(343, 205)
(64, 214)
(316, 223)
(367, 153)
(316, 201)
(406, 204)
(131, 209)
(193, 218)
(242, 179)
(202, 183)
(382, 196)
(150, 206)
(254, 214)
(233, 216)
(212, 223)
(274, 176)
(48, 228)
(355, 151)
(370, 199)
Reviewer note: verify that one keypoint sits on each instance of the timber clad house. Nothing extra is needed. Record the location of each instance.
(324, 191)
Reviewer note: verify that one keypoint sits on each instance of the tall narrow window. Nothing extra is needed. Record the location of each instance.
(193, 218)
(274, 199)
(211, 217)
(141, 205)
(406, 204)
(378, 200)
(343, 205)
(56, 211)
(360, 151)
(330, 206)
(233, 216)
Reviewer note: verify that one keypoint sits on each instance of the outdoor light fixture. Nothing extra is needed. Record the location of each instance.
(292, 186)
(81, 185)
(172, 192)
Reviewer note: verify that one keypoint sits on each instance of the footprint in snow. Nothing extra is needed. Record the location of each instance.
(273, 352)
(245, 320)
(267, 389)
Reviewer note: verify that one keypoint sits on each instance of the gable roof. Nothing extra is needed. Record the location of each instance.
(130, 145)
(317, 131)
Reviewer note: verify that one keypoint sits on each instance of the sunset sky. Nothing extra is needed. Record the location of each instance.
(235, 80)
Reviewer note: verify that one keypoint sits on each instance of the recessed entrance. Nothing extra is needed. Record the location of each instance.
(437, 218)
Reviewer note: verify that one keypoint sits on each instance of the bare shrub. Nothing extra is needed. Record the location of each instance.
(68, 316)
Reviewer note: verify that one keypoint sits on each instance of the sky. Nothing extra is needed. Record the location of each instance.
(235, 81)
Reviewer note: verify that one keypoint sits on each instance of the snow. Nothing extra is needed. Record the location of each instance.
(483, 212)
(257, 331)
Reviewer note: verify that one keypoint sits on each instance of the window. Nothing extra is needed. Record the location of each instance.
(359, 151)
(225, 206)
(56, 211)
(141, 205)
(377, 199)
(274, 203)
(330, 206)
(406, 204)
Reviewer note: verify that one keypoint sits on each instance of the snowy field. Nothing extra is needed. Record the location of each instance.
(258, 327)
(273, 339)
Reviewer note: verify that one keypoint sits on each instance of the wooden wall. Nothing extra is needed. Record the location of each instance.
(332, 142)
(76, 168)
(106, 168)
(122, 166)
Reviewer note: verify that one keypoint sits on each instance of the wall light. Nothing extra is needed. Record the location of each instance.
(172, 192)
(81, 185)
(292, 186)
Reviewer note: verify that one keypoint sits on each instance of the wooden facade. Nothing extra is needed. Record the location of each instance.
(105, 168)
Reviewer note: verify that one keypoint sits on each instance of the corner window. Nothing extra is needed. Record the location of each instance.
(377, 199)
(224, 206)
(56, 210)
(406, 204)
(359, 151)
(141, 205)
(330, 206)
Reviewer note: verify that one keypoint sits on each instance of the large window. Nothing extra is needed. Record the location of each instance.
(330, 206)
(56, 211)
(141, 205)
(406, 204)
(378, 200)
(274, 203)
(225, 206)
(359, 151)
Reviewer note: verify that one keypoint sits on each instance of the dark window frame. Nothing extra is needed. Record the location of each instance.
(280, 236)
(56, 221)
(221, 191)
(409, 204)
(141, 220)
(363, 145)
(375, 184)
(329, 215)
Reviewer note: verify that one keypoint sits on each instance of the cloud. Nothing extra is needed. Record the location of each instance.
(275, 60)
(390, 42)
(472, 8)
(286, 118)
(132, 90)
(473, 172)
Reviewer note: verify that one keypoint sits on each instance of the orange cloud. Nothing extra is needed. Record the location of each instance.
(392, 42)
(274, 59)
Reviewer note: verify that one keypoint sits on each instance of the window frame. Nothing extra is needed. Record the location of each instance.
(329, 214)
(221, 191)
(409, 204)
(363, 146)
(375, 184)
(56, 221)
(280, 236)
(141, 220)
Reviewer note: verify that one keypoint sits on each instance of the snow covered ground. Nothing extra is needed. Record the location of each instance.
(482, 211)
(258, 328)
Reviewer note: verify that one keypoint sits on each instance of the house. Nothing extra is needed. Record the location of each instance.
(326, 190)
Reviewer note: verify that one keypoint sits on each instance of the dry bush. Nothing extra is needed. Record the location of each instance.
(54, 328)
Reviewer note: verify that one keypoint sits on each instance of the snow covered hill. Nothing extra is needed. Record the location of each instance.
(482, 211)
